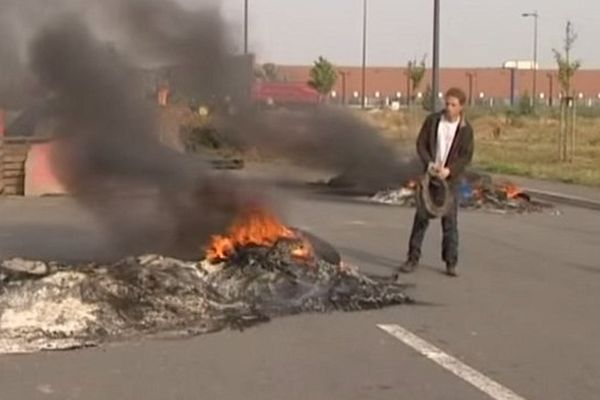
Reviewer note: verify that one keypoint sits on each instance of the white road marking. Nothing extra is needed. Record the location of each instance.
(486, 385)
(357, 222)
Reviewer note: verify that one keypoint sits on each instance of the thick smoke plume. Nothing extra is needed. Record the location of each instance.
(88, 60)
(110, 150)
(328, 138)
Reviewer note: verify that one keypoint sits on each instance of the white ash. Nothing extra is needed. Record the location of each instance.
(488, 202)
(74, 306)
(402, 196)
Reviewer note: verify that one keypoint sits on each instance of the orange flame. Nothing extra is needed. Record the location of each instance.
(511, 190)
(254, 227)
(411, 184)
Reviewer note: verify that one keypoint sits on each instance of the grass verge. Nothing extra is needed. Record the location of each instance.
(522, 146)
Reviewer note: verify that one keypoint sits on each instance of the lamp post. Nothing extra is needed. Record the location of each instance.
(408, 87)
(245, 26)
(435, 79)
(470, 76)
(551, 96)
(535, 17)
(364, 57)
(343, 74)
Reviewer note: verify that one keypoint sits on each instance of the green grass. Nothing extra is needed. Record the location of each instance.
(526, 146)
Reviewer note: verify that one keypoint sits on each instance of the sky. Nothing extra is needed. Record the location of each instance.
(475, 33)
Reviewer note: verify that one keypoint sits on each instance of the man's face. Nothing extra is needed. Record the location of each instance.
(453, 107)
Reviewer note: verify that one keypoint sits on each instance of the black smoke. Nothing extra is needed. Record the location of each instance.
(110, 154)
(327, 138)
(87, 59)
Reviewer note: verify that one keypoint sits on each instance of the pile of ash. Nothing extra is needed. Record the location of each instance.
(477, 192)
(53, 306)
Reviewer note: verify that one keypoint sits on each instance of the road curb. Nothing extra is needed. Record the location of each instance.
(565, 199)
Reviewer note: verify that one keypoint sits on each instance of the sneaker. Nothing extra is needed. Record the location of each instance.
(451, 270)
(409, 266)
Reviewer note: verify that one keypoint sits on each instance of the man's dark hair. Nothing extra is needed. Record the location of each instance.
(457, 94)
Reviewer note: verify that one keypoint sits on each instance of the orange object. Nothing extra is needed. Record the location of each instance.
(163, 96)
(40, 177)
(2, 123)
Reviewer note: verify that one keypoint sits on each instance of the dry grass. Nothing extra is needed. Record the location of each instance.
(524, 146)
(399, 127)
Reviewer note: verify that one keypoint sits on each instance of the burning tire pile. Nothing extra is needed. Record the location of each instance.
(477, 192)
(255, 277)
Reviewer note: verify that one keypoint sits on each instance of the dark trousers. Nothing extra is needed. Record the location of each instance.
(449, 230)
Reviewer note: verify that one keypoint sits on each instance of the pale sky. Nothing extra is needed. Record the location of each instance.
(474, 32)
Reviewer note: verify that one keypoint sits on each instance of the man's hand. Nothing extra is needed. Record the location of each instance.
(444, 173)
(438, 171)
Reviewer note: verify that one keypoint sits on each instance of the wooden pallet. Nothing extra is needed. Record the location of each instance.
(13, 155)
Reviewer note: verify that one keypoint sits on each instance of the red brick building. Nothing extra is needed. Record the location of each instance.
(487, 83)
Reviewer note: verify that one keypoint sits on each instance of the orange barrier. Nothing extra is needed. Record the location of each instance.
(40, 178)
(2, 123)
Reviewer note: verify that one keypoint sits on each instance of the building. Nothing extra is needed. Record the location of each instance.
(488, 85)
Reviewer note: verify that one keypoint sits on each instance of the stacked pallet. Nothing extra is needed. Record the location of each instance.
(13, 154)
(1, 167)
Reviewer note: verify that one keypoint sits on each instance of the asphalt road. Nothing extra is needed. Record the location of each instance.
(524, 312)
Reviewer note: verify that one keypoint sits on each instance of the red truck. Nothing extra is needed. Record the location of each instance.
(285, 94)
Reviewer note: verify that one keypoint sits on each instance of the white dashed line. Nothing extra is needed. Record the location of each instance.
(486, 385)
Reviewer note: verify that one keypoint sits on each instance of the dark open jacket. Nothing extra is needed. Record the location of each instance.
(461, 152)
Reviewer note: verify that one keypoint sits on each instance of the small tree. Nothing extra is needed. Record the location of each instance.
(416, 72)
(566, 67)
(323, 76)
(566, 72)
(525, 106)
(268, 72)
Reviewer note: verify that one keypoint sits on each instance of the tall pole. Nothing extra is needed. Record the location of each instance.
(245, 26)
(343, 74)
(535, 17)
(470, 76)
(551, 89)
(535, 59)
(408, 90)
(364, 57)
(513, 86)
(435, 86)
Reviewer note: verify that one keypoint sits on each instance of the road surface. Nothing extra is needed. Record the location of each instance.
(524, 312)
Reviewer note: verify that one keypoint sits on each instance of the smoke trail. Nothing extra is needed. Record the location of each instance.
(19, 22)
(324, 137)
(89, 59)
(110, 146)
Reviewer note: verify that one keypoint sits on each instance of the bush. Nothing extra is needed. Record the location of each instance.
(525, 106)
(427, 99)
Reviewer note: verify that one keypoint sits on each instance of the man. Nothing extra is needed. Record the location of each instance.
(445, 147)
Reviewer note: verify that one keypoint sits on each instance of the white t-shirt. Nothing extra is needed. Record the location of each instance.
(445, 137)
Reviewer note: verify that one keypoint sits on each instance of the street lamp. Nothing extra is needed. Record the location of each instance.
(245, 26)
(435, 79)
(470, 76)
(364, 57)
(551, 89)
(344, 75)
(535, 17)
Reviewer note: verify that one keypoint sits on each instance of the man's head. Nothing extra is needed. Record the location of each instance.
(455, 102)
